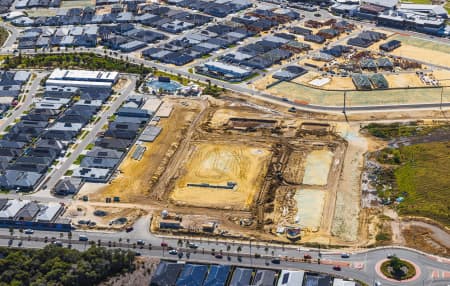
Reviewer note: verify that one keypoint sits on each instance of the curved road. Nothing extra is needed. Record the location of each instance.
(359, 266)
(241, 88)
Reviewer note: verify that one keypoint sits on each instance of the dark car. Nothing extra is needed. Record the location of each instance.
(129, 229)
(337, 268)
(276, 261)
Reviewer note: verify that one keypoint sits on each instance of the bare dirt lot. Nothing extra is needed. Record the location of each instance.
(218, 164)
(102, 217)
(137, 177)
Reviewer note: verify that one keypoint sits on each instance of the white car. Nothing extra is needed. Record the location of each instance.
(28, 231)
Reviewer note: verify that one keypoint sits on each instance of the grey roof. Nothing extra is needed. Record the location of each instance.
(91, 173)
(113, 143)
(19, 179)
(241, 277)
(96, 162)
(166, 274)
(28, 212)
(104, 153)
(264, 277)
(150, 133)
(68, 185)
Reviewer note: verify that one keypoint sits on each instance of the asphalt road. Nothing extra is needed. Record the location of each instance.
(25, 103)
(60, 169)
(360, 265)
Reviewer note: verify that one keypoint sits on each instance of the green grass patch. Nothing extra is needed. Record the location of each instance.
(89, 61)
(79, 159)
(4, 34)
(90, 146)
(396, 130)
(398, 269)
(68, 173)
(423, 180)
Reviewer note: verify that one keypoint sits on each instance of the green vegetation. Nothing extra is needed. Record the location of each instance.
(423, 177)
(4, 34)
(419, 174)
(81, 60)
(79, 159)
(398, 269)
(396, 130)
(68, 173)
(61, 266)
(213, 90)
(90, 146)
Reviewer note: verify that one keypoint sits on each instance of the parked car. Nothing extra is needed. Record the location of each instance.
(193, 245)
(219, 256)
(28, 231)
(129, 229)
(58, 243)
(164, 244)
(140, 242)
(337, 268)
(173, 252)
(83, 238)
(345, 255)
(307, 256)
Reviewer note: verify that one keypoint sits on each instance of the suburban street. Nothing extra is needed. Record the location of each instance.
(27, 99)
(47, 185)
(360, 265)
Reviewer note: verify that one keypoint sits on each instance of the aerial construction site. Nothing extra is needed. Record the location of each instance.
(232, 168)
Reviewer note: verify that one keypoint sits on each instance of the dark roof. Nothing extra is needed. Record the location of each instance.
(29, 211)
(166, 274)
(218, 275)
(113, 143)
(241, 277)
(98, 162)
(104, 153)
(67, 186)
(192, 275)
(264, 277)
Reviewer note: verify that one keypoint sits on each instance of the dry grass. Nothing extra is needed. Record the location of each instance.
(420, 238)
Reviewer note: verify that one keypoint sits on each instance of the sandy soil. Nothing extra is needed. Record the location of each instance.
(263, 82)
(136, 177)
(309, 208)
(218, 164)
(317, 167)
(293, 173)
(403, 80)
(423, 54)
(346, 214)
(81, 211)
(222, 115)
(340, 83)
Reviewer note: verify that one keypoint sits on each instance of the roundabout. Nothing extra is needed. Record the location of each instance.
(397, 270)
